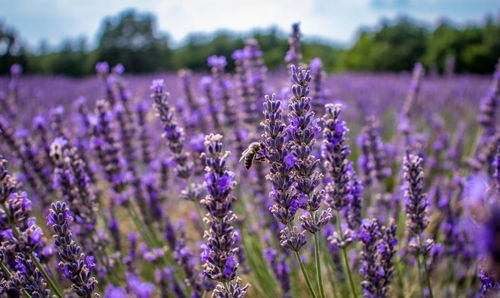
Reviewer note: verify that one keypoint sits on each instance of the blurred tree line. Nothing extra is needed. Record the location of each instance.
(133, 39)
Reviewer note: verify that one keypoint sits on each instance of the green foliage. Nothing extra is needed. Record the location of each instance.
(133, 39)
(11, 49)
(475, 48)
(394, 47)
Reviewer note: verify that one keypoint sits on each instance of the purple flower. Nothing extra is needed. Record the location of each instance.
(290, 160)
(157, 85)
(315, 64)
(102, 68)
(114, 292)
(230, 266)
(141, 289)
(16, 69)
(217, 61)
(119, 69)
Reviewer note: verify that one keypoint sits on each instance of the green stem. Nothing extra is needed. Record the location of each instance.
(427, 278)
(400, 278)
(346, 259)
(200, 215)
(426, 273)
(303, 269)
(226, 286)
(52, 285)
(319, 279)
(139, 225)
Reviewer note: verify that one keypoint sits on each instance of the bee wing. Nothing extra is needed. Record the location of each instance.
(244, 154)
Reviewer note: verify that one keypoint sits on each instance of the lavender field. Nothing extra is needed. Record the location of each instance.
(291, 183)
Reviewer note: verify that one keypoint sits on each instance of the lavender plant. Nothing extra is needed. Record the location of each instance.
(113, 181)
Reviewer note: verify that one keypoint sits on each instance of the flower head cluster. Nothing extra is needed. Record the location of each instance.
(280, 269)
(335, 152)
(318, 93)
(71, 178)
(301, 132)
(20, 238)
(18, 230)
(196, 120)
(255, 67)
(294, 54)
(245, 90)
(220, 254)
(106, 147)
(73, 262)
(373, 160)
(378, 250)
(416, 201)
(217, 65)
(172, 132)
(281, 160)
(489, 104)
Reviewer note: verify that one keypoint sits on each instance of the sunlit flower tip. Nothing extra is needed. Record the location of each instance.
(102, 67)
(119, 69)
(315, 64)
(157, 85)
(16, 69)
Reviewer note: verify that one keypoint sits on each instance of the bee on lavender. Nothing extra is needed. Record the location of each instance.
(253, 152)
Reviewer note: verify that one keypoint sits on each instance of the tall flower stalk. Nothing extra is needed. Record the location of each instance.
(221, 239)
(278, 154)
(416, 203)
(301, 131)
(73, 262)
(335, 152)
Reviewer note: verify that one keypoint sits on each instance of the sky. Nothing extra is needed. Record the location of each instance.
(336, 20)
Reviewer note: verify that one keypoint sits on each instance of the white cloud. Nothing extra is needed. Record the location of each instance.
(333, 19)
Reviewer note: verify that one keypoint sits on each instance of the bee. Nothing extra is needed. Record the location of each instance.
(250, 154)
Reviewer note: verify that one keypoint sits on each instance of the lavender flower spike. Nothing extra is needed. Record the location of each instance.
(294, 54)
(335, 152)
(172, 132)
(73, 262)
(221, 238)
(369, 235)
(416, 200)
(416, 203)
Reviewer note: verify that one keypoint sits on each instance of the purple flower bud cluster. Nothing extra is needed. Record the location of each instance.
(198, 122)
(281, 160)
(335, 152)
(105, 145)
(213, 109)
(144, 137)
(172, 132)
(280, 269)
(115, 200)
(301, 134)
(373, 159)
(294, 54)
(73, 262)
(489, 105)
(318, 92)
(217, 65)
(488, 285)
(21, 241)
(377, 257)
(71, 178)
(256, 68)
(416, 201)
(219, 256)
(245, 88)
